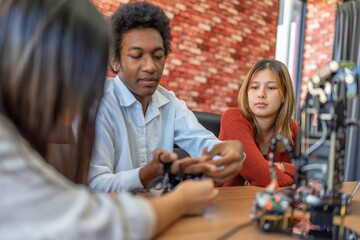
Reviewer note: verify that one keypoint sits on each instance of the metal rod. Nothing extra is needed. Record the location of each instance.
(353, 192)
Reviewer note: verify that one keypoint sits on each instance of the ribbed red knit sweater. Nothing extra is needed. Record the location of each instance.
(234, 126)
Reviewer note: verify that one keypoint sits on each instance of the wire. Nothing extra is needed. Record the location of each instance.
(272, 148)
(320, 142)
(353, 192)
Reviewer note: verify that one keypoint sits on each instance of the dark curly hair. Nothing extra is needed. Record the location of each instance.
(140, 15)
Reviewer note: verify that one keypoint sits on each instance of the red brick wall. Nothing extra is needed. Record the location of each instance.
(319, 38)
(215, 44)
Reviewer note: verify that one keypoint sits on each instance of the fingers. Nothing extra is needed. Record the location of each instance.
(164, 156)
(214, 194)
(178, 166)
(203, 167)
(228, 158)
(226, 152)
(203, 189)
(156, 166)
(211, 185)
(221, 163)
(204, 151)
(221, 176)
(216, 150)
(198, 194)
(192, 165)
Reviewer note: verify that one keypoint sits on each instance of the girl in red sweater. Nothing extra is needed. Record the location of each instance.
(267, 102)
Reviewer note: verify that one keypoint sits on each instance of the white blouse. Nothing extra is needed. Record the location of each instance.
(37, 202)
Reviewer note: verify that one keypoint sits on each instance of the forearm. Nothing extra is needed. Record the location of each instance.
(289, 169)
(168, 208)
(259, 175)
(150, 172)
(284, 179)
(145, 178)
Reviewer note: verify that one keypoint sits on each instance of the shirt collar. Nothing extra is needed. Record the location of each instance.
(122, 93)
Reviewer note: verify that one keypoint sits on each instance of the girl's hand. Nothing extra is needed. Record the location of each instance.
(197, 195)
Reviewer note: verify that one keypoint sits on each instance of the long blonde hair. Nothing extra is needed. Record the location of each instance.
(283, 119)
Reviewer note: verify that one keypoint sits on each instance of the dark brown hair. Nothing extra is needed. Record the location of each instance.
(53, 58)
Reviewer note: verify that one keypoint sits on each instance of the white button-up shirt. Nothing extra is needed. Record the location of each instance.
(126, 139)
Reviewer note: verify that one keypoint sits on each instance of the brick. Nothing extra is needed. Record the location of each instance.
(166, 72)
(216, 19)
(205, 27)
(212, 70)
(319, 35)
(170, 15)
(180, 6)
(237, 37)
(232, 21)
(200, 79)
(195, 61)
(214, 45)
(176, 62)
(194, 50)
(199, 8)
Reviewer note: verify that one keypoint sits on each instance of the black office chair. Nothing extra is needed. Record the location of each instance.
(211, 121)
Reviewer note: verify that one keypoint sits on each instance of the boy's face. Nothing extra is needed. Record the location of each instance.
(142, 62)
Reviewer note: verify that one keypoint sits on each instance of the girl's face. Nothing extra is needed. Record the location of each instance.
(264, 95)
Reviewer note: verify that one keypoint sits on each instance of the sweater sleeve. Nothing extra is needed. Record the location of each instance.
(289, 169)
(234, 126)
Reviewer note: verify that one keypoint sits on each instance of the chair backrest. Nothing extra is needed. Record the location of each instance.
(211, 121)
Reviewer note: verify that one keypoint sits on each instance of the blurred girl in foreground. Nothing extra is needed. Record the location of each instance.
(53, 59)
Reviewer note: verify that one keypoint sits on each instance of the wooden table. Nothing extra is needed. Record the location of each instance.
(232, 208)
